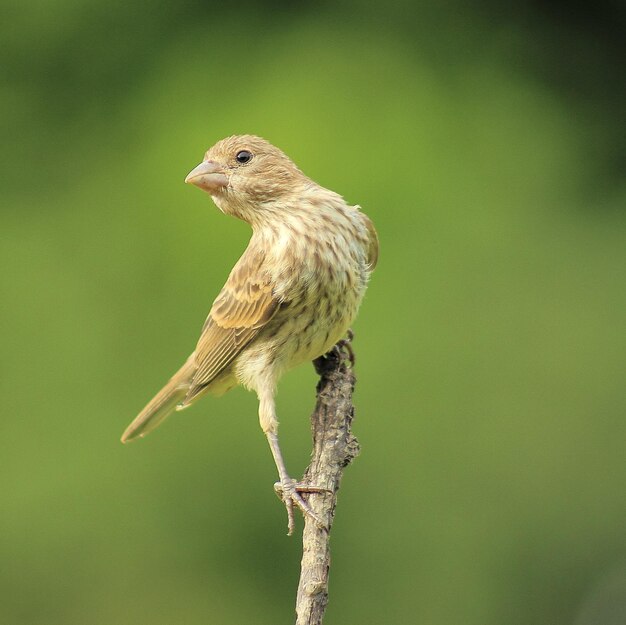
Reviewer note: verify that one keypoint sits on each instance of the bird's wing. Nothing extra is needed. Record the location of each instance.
(243, 307)
(372, 252)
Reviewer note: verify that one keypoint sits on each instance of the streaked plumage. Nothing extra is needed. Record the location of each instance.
(290, 297)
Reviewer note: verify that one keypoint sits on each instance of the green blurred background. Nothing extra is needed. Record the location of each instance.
(486, 143)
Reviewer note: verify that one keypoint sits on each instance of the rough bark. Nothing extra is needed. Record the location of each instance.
(334, 447)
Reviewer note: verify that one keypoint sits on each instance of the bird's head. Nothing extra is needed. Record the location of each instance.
(246, 176)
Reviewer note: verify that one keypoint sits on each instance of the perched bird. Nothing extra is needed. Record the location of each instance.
(290, 297)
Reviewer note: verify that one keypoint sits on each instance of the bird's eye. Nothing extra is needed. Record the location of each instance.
(244, 156)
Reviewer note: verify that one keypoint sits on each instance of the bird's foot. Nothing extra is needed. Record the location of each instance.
(346, 344)
(288, 491)
(339, 354)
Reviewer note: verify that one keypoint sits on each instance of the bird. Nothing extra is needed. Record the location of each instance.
(290, 298)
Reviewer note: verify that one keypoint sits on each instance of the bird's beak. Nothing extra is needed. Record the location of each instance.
(208, 176)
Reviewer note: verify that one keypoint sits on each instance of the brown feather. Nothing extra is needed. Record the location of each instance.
(372, 255)
(162, 404)
(244, 306)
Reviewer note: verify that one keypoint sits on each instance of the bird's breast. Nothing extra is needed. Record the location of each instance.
(319, 275)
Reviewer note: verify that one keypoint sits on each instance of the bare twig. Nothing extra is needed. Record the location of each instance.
(334, 447)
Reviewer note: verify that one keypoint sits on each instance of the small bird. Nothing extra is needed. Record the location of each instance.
(291, 296)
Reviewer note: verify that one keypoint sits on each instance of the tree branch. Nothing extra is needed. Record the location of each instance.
(334, 447)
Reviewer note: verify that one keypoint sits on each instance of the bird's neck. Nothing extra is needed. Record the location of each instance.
(304, 226)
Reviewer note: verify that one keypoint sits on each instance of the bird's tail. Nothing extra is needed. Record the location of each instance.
(163, 403)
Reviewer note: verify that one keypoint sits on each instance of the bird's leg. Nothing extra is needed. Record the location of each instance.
(287, 489)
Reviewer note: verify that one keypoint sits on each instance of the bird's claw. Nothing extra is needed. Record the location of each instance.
(341, 351)
(343, 348)
(288, 491)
